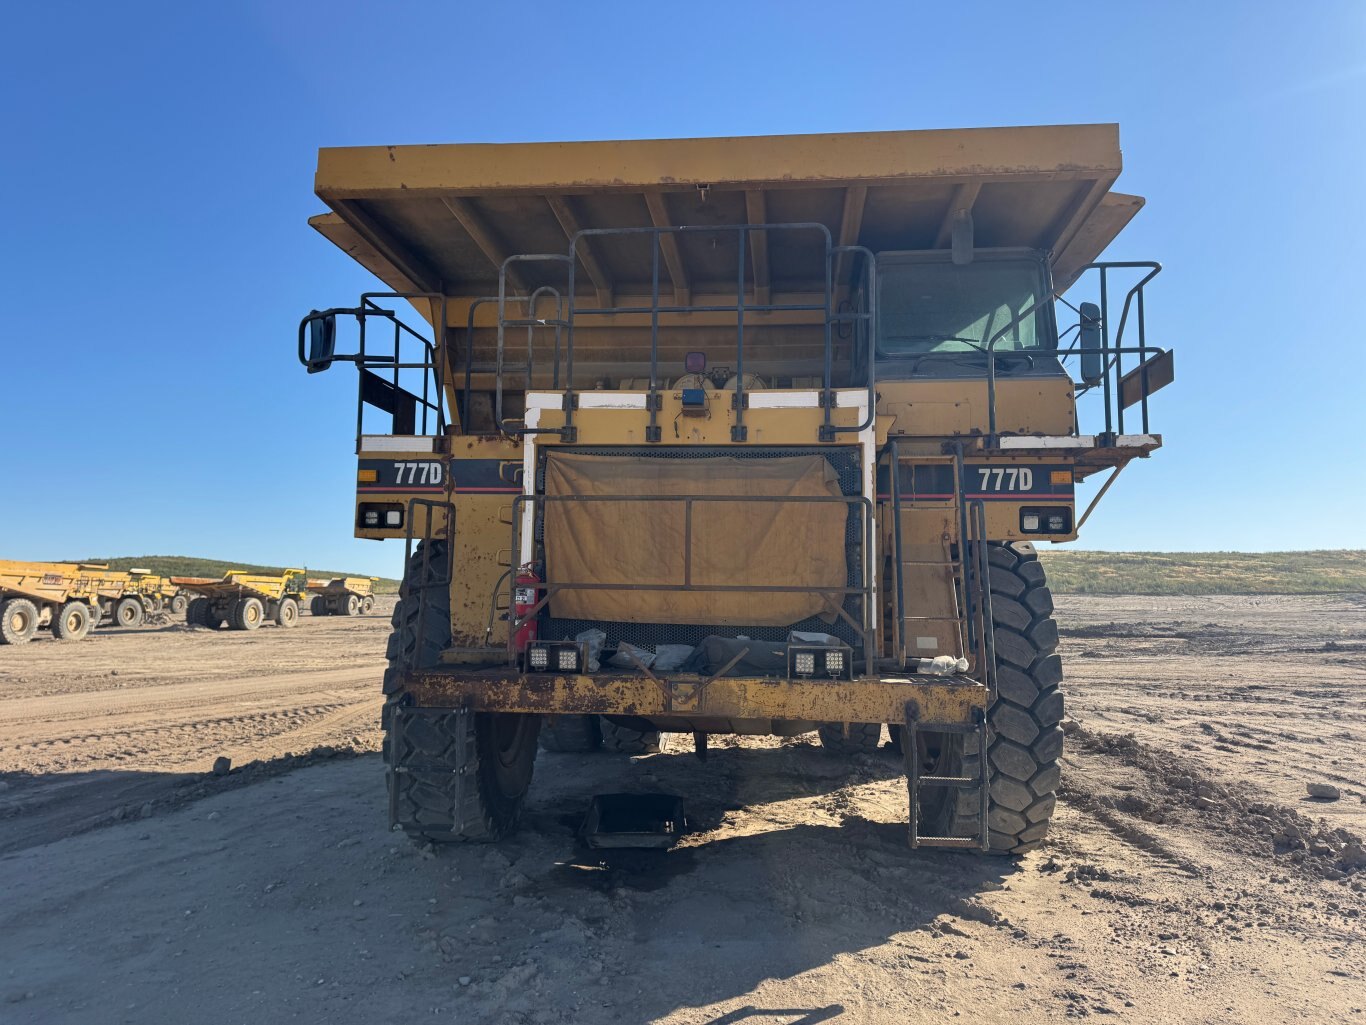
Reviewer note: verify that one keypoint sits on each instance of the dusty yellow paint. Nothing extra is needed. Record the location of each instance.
(741, 698)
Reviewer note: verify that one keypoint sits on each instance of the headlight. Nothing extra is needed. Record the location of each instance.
(804, 663)
(834, 663)
(560, 656)
(1046, 519)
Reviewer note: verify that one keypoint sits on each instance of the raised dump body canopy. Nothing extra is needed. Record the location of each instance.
(442, 218)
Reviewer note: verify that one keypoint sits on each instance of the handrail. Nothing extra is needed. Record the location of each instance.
(1112, 354)
(432, 364)
(566, 319)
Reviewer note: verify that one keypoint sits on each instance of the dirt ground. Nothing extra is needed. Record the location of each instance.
(1189, 876)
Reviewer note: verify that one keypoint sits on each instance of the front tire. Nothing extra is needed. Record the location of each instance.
(178, 603)
(431, 802)
(18, 621)
(1025, 738)
(288, 612)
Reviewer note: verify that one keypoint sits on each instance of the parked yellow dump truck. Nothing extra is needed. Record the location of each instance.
(342, 596)
(747, 435)
(158, 593)
(129, 598)
(244, 600)
(64, 597)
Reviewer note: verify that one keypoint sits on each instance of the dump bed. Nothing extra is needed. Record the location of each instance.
(41, 581)
(443, 218)
(242, 585)
(353, 585)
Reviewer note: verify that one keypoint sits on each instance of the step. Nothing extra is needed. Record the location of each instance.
(960, 782)
(970, 843)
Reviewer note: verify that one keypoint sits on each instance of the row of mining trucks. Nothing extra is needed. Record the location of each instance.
(243, 601)
(71, 599)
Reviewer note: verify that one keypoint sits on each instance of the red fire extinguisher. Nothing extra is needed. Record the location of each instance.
(525, 595)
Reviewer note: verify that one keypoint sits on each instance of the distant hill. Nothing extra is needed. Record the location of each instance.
(1069, 572)
(186, 566)
(1320, 572)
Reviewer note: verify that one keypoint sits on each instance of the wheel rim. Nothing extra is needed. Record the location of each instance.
(18, 621)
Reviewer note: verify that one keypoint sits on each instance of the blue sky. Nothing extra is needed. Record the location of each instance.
(157, 164)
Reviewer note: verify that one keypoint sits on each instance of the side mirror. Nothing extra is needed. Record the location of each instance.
(1089, 341)
(322, 341)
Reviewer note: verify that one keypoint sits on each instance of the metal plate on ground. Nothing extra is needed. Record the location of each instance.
(653, 821)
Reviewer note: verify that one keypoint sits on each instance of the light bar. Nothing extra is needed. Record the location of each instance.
(554, 656)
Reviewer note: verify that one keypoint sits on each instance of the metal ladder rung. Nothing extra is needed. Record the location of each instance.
(915, 782)
(960, 782)
(963, 842)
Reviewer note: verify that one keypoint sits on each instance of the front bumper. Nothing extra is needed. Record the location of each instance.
(867, 700)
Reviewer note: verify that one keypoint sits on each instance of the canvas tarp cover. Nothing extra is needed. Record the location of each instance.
(772, 543)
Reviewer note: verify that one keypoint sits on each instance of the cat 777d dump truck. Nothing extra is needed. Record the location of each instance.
(748, 435)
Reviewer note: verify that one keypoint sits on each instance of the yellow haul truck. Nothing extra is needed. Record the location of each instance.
(244, 600)
(65, 597)
(158, 593)
(128, 598)
(342, 596)
(748, 435)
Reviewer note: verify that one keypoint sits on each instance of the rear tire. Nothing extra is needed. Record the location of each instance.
(247, 614)
(627, 741)
(72, 621)
(352, 605)
(1025, 736)
(426, 795)
(288, 612)
(178, 603)
(863, 738)
(367, 605)
(18, 621)
(128, 612)
(576, 734)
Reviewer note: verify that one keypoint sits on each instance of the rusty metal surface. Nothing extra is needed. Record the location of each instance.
(871, 700)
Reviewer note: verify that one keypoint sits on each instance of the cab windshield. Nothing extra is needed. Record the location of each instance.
(943, 307)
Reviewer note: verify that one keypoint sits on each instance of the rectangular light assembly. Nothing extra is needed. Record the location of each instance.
(380, 515)
(1046, 519)
(554, 657)
(811, 662)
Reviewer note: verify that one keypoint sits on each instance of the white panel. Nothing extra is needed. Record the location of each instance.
(610, 400)
(396, 443)
(544, 400)
(532, 419)
(1050, 441)
(764, 399)
(852, 397)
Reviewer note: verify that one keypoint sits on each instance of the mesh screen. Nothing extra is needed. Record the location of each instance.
(845, 462)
